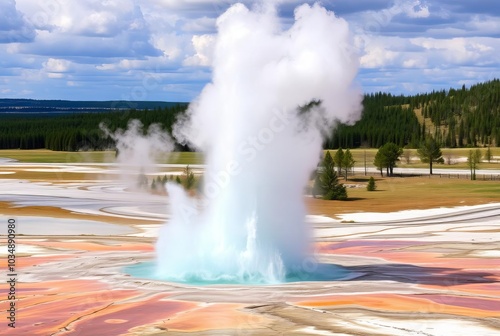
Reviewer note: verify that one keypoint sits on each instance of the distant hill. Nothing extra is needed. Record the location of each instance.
(67, 106)
(461, 117)
(72, 126)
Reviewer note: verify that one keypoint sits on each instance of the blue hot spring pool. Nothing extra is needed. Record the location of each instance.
(317, 272)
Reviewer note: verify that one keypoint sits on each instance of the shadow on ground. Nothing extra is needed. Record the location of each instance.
(438, 276)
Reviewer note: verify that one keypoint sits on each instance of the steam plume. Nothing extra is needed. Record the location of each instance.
(260, 145)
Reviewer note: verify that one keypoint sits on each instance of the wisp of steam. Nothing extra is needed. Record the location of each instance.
(138, 150)
(274, 94)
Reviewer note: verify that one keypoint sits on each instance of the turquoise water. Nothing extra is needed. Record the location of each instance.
(319, 272)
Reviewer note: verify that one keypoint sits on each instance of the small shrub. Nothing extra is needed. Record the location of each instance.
(371, 184)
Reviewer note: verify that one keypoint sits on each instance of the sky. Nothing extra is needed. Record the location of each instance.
(161, 49)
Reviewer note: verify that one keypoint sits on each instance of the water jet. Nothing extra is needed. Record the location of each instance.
(262, 137)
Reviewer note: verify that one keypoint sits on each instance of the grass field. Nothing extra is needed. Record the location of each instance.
(395, 194)
(47, 156)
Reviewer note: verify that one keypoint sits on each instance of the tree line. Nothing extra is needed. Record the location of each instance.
(429, 152)
(465, 117)
(77, 131)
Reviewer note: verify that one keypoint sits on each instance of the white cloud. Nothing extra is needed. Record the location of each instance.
(414, 62)
(115, 44)
(372, 22)
(83, 17)
(204, 48)
(484, 24)
(416, 9)
(203, 24)
(112, 28)
(377, 57)
(170, 44)
(13, 25)
(460, 50)
(57, 65)
(55, 75)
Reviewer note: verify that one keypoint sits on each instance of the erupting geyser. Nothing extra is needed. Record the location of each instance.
(260, 126)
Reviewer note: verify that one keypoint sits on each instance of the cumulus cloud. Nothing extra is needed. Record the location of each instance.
(116, 43)
(57, 65)
(203, 24)
(13, 25)
(204, 48)
(457, 50)
(415, 9)
(376, 57)
(56, 68)
(88, 28)
(170, 44)
(484, 25)
(85, 17)
(414, 62)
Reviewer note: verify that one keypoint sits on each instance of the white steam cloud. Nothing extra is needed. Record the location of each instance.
(138, 151)
(260, 146)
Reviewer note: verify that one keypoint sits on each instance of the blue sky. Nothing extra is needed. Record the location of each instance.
(161, 49)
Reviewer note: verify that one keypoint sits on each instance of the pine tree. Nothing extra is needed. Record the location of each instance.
(371, 184)
(347, 162)
(338, 159)
(326, 182)
(189, 178)
(387, 156)
(430, 152)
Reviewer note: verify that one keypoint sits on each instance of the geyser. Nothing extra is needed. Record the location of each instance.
(260, 122)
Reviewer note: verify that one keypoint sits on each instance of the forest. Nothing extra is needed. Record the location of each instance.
(77, 131)
(465, 117)
(462, 117)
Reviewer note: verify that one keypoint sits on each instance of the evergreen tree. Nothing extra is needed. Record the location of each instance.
(387, 156)
(189, 178)
(347, 162)
(338, 160)
(371, 186)
(380, 162)
(326, 182)
(430, 152)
